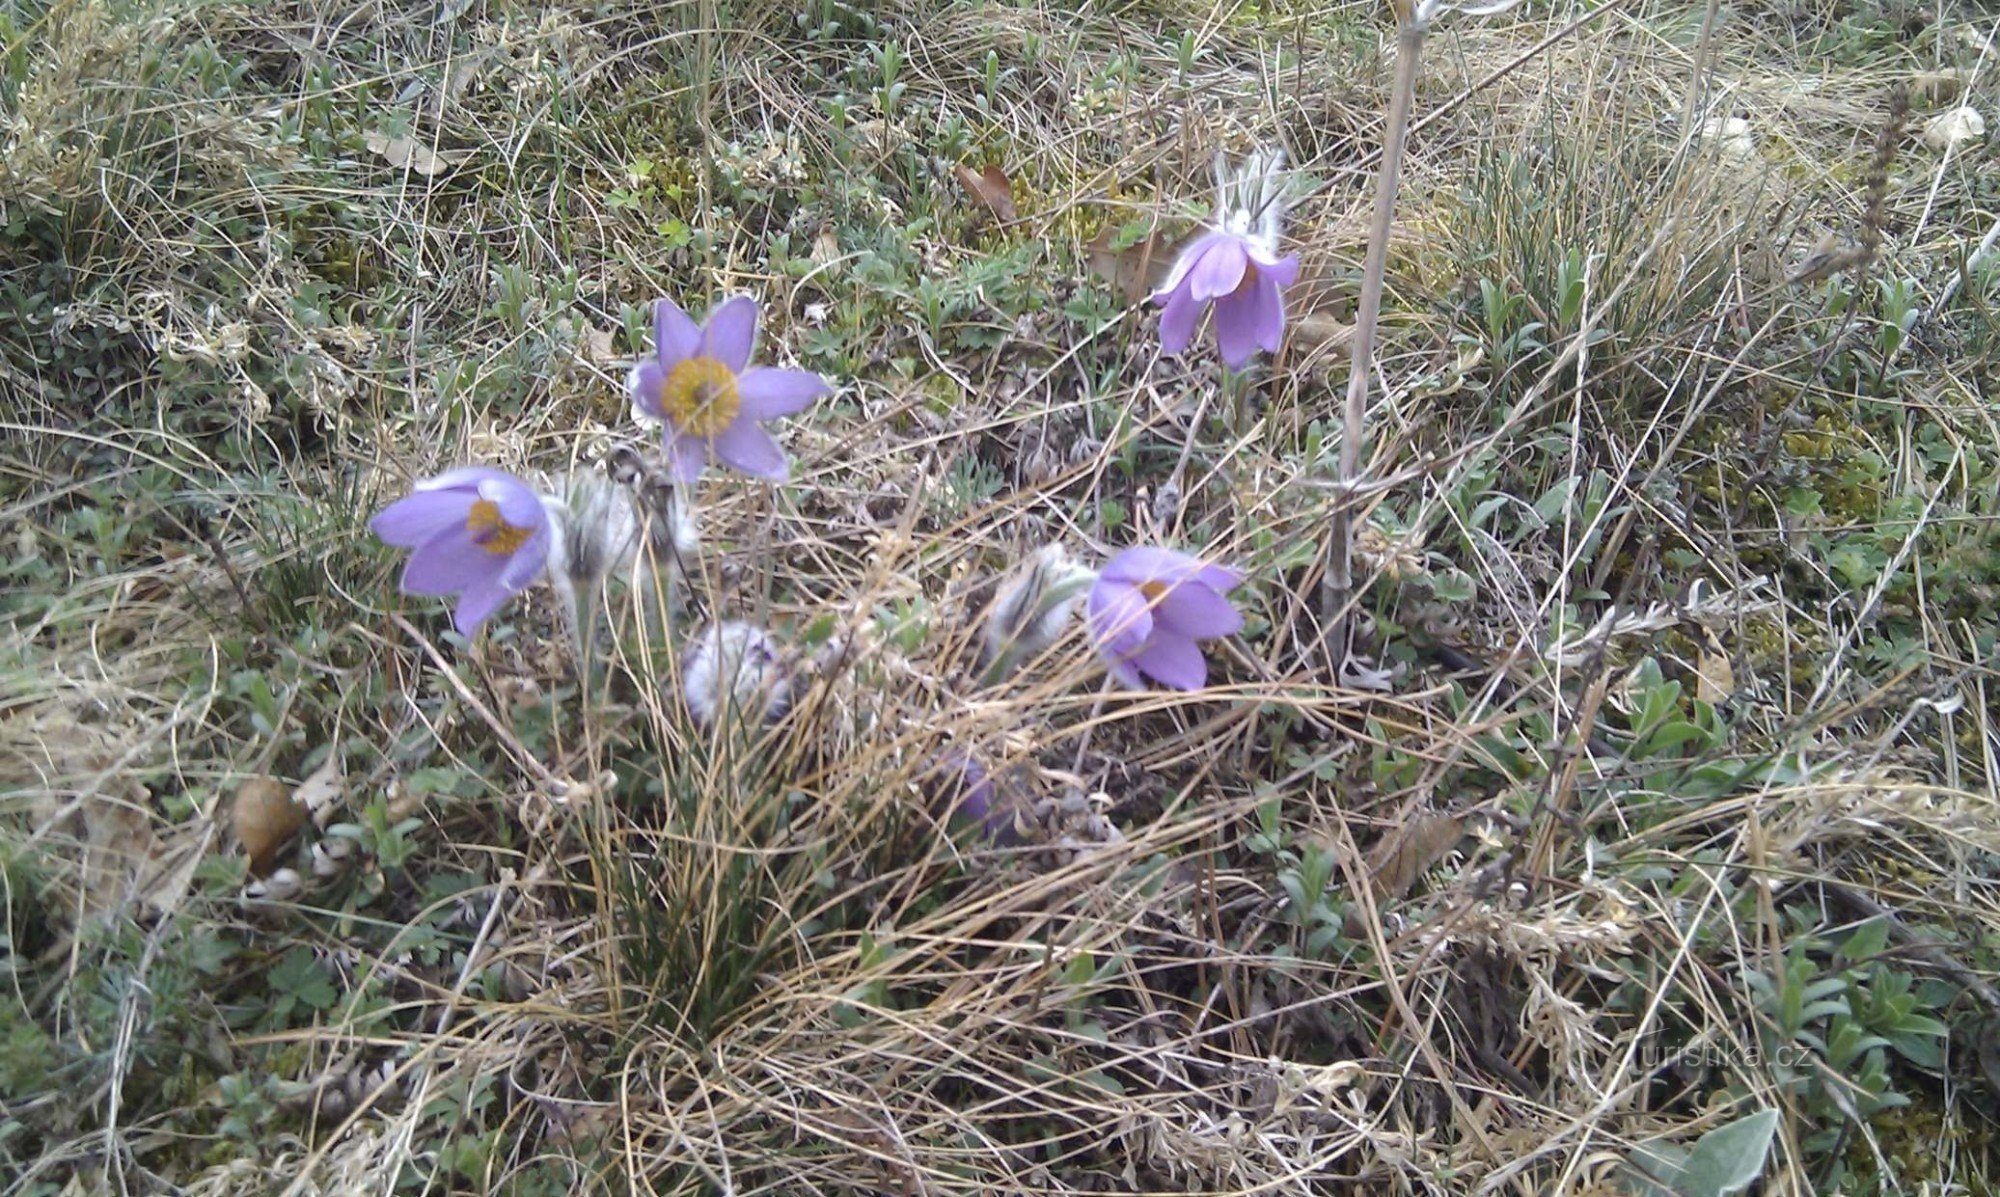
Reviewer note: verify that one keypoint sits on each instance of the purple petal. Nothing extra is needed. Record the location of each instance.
(1267, 311)
(732, 327)
(1178, 321)
(1220, 270)
(1173, 661)
(676, 337)
(1191, 609)
(1270, 314)
(751, 449)
(1283, 271)
(768, 393)
(688, 455)
(462, 478)
(519, 505)
(1236, 328)
(1186, 262)
(525, 564)
(477, 605)
(1126, 673)
(643, 385)
(411, 521)
(450, 562)
(1144, 563)
(1119, 618)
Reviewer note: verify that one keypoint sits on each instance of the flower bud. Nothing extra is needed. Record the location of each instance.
(1031, 610)
(734, 667)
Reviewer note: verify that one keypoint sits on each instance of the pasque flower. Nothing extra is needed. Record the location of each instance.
(963, 788)
(1235, 267)
(734, 669)
(1148, 608)
(1031, 610)
(476, 532)
(699, 384)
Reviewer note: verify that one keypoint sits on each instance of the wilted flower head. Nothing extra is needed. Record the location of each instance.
(1420, 13)
(597, 533)
(600, 528)
(697, 384)
(476, 532)
(1234, 266)
(960, 786)
(734, 667)
(1032, 608)
(1148, 608)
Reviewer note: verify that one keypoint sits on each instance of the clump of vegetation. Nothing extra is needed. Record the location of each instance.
(965, 789)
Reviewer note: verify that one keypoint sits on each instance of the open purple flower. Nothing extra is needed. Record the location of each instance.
(1235, 267)
(698, 385)
(1148, 609)
(480, 533)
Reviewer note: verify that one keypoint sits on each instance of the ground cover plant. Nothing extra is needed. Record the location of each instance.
(974, 598)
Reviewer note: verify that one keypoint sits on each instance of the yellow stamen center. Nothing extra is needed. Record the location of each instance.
(493, 533)
(700, 397)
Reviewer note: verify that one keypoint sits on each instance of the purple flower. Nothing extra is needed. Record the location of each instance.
(1148, 608)
(961, 787)
(1234, 266)
(697, 385)
(477, 532)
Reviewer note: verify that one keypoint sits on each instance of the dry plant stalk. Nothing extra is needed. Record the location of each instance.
(1337, 594)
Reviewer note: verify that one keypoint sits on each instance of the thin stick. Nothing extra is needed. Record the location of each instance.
(1704, 47)
(1337, 593)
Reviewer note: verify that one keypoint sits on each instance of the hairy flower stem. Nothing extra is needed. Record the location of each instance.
(1337, 591)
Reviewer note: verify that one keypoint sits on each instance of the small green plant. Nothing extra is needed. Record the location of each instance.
(1722, 1163)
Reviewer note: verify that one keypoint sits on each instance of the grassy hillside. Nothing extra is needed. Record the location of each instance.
(1645, 842)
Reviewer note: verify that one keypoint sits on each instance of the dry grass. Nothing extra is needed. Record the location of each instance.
(1485, 932)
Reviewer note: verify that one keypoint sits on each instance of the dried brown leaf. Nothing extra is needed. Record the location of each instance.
(1938, 86)
(1408, 852)
(1715, 680)
(1137, 269)
(826, 243)
(595, 345)
(1322, 334)
(411, 153)
(991, 190)
(265, 818)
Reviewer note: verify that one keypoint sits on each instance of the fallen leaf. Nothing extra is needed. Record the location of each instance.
(1714, 679)
(991, 189)
(1948, 129)
(1732, 135)
(1317, 334)
(409, 152)
(1938, 86)
(265, 818)
(595, 344)
(79, 780)
(1136, 269)
(1407, 853)
(466, 72)
(826, 243)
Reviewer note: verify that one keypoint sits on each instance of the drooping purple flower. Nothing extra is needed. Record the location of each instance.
(698, 385)
(961, 788)
(1149, 607)
(1235, 267)
(476, 532)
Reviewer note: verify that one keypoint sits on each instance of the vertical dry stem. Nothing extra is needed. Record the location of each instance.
(1337, 593)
